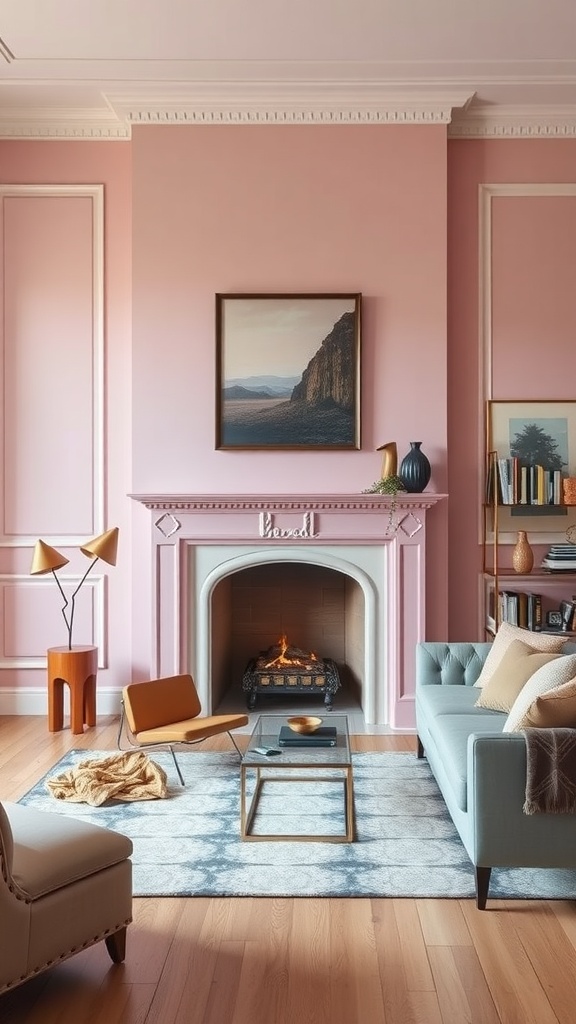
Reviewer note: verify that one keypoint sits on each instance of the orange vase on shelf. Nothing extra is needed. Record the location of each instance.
(522, 556)
(569, 488)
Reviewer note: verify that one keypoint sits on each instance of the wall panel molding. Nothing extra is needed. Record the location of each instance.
(487, 194)
(95, 586)
(95, 193)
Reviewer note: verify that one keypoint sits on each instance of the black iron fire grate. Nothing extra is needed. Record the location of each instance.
(270, 674)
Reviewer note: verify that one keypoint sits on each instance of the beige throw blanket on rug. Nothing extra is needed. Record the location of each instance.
(550, 771)
(125, 776)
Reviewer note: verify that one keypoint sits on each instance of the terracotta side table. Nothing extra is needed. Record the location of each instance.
(77, 668)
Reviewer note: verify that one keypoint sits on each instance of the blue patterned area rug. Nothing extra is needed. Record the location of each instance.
(406, 845)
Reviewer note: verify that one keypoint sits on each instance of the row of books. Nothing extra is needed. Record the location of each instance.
(508, 482)
(560, 558)
(525, 610)
(518, 608)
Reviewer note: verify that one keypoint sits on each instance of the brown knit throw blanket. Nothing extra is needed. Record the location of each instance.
(550, 771)
(130, 775)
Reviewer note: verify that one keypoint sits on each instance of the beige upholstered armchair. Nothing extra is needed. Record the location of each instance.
(65, 884)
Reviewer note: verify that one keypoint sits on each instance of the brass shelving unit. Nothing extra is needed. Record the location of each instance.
(493, 574)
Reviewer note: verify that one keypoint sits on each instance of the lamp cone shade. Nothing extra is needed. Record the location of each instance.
(105, 546)
(46, 559)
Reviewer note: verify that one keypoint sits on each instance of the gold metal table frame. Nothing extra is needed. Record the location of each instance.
(288, 767)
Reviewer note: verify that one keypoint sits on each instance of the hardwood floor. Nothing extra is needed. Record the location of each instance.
(299, 961)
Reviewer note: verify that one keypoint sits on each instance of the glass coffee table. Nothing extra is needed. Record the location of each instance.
(312, 764)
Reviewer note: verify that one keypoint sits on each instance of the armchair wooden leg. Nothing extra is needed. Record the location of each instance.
(419, 748)
(482, 884)
(116, 946)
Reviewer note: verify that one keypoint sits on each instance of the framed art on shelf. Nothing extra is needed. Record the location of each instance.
(533, 444)
(288, 371)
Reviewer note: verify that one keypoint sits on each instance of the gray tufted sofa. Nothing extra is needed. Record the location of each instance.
(481, 771)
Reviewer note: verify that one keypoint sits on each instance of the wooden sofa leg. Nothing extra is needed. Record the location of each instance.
(482, 884)
(419, 748)
(116, 946)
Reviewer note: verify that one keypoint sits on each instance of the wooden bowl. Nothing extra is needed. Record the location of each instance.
(305, 724)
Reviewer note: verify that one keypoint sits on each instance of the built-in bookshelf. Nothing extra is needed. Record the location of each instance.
(544, 599)
(536, 601)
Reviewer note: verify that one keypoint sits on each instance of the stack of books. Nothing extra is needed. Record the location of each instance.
(325, 736)
(560, 558)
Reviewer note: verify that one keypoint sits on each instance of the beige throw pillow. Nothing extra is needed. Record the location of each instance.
(504, 637)
(518, 663)
(549, 698)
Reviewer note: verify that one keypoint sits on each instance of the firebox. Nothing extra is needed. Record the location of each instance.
(284, 668)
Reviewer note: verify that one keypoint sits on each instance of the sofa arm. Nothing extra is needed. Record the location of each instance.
(452, 664)
(502, 833)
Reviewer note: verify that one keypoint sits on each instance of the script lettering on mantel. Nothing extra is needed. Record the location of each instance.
(271, 532)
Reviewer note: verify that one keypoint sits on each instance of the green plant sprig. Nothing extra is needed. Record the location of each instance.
(387, 485)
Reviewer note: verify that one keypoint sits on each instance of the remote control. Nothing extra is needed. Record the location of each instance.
(266, 751)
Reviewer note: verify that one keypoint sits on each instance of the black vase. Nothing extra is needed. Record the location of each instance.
(415, 469)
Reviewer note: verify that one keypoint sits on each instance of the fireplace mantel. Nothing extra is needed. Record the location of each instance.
(377, 540)
(288, 502)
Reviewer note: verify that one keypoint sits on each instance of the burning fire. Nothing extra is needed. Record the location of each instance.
(283, 655)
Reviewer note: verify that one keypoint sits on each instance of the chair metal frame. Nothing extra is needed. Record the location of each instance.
(136, 744)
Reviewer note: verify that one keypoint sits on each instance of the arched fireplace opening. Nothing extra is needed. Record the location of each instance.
(317, 608)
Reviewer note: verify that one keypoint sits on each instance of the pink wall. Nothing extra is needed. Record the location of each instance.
(64, 424)
(533, 296)
(269, 209)
(534, 315)
(298, 209)
(242, 209)
(294, 209)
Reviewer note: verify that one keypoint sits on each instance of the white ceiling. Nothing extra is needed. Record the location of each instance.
(95, 67)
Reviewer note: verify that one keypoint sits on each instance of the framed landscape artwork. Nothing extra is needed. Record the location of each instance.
(537, 433)
(288, 371)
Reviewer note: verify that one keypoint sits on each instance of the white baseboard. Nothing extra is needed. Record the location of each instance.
(33, 700)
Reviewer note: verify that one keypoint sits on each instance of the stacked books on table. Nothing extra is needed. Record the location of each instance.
(325, 736)
(560, 558)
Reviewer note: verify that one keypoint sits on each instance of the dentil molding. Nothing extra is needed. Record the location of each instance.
(282, 103)
(286, 503)
(483, 122)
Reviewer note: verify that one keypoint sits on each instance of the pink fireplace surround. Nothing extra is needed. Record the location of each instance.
(198, 541)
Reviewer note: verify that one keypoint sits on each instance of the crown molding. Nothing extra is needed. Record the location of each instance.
(59, 123)
(514, 122)
(283, 103)
(264, 103)
(286, 103)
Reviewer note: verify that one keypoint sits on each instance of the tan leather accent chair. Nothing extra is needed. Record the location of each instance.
(166, 711)
(65, 884)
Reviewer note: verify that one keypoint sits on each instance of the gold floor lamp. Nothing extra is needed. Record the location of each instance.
(74, 665)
